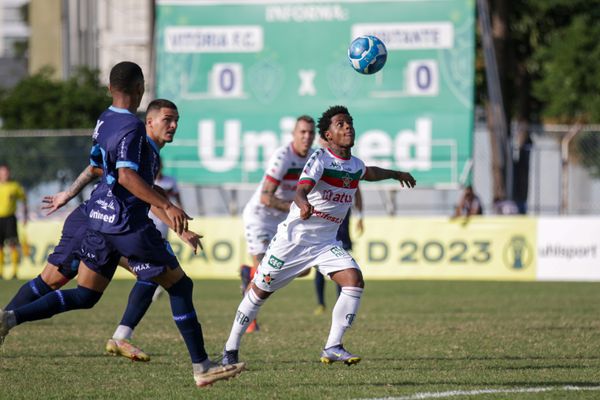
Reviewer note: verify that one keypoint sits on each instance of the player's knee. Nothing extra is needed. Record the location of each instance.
(183, 285)
(87, 298)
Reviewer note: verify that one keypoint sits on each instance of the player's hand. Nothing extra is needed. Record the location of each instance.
(360, 228)
(54, 202)
(405, 179)
(192, 239)
(306, 210)
(178, 217)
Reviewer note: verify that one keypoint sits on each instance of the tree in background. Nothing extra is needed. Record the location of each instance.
(549, 65)
(39, 102)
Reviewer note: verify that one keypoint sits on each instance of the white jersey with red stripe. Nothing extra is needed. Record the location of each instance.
(335, 181)
(284, 168)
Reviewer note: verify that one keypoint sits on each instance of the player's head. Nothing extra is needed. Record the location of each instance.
(337, 126)
(127, 78)
(4, 173)
(162, 118)
(303, 134)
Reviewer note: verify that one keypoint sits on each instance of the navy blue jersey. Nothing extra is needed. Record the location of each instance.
(120, 138)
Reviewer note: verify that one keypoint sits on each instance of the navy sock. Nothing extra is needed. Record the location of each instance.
(30, 291)
(320, 288)
(185, 318)
(138, 303)
(57, 302)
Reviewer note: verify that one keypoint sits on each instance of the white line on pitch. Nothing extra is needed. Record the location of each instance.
(452, 393)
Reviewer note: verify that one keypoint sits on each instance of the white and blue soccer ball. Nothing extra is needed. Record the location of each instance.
(367, 54)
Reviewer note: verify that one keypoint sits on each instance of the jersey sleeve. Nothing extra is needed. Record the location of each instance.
(364, 168)
(129, 150)
(96, 156)
(277, 167)
(313, 170)
(20, 192)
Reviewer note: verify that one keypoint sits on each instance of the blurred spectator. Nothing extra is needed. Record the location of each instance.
(10, 193)
(505, 207)
(469, 204)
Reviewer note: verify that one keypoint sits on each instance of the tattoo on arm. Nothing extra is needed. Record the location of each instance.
(82, 180)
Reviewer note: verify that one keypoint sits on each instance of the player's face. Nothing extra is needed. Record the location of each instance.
(303, 136)
(163, 124)
(341, 131)
(4, 174)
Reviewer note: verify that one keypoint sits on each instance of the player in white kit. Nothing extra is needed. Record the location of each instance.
(307, 237)
(271, 201)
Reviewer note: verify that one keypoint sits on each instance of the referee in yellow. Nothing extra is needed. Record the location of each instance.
(10, 192)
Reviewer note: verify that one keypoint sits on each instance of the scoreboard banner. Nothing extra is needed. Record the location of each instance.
(241, 72)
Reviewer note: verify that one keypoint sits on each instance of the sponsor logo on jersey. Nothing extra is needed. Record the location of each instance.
(140, 267)
(329, 195)
(267, 279)
(327, 217)
(276, 262)
(102, 217)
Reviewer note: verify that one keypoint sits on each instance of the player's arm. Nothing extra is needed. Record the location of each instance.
(268, 198)
(56, 201)
(301, 198)
(358, 205)
(190, 238)
(130, 180)
(378, 174)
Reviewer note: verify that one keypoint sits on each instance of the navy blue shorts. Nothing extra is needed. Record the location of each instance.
(64, 255)
(148, 253)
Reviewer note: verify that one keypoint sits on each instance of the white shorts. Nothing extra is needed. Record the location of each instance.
(161, 226)
(285, 260)
(258, 231)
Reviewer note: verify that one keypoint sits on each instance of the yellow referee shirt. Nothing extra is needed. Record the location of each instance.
(10, 192)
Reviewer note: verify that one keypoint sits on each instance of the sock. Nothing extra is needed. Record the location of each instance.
(57, 302)
(245, 314)
(1, 261)
(138, 303)
(245, 276)
(201, 367)
(30, 291)
(343, 314)
(185, 318)
(122, 332)
(14, 260)
(320, 288)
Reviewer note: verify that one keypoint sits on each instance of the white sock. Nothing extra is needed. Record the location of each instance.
(343, 314)
(245, 314)
(122, 332)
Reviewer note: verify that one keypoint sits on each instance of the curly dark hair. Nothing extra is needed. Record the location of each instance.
(325, 120)
(125, 76)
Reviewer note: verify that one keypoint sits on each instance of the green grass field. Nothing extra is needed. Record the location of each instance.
(414, 336)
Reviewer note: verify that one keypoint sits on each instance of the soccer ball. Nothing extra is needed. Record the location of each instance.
(367, 54)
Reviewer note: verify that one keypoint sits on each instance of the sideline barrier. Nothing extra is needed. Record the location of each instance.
(481, 248)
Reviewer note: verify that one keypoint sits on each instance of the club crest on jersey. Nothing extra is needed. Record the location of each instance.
(347, 180)
(267, 279)
(275, 262)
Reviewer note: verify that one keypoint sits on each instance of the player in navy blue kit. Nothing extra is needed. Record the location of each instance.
(119, 226)
(63, 263)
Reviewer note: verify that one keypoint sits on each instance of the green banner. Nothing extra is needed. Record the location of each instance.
(242, 71)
